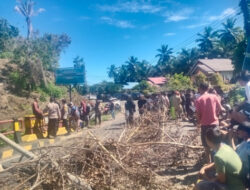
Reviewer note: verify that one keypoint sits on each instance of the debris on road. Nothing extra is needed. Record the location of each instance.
(151, 154)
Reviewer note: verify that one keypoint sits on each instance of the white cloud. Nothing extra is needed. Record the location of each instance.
(117, 23)
(176, 18)
(225, 13)
(131, 7)
(41, 10)
(169, 34)
(179, 16)
(197, 25)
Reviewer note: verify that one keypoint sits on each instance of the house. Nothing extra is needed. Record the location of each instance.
(157, 81)
(210, 66)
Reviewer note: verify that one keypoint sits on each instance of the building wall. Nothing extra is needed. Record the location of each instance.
(227, 75)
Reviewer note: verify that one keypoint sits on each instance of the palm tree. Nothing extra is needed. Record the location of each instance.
(26, 8)
(164, 55)
(112, 71)
(132, 65)
(187, 59)
(230, 34)
(207, 40)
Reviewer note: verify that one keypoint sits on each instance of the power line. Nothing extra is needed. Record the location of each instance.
(213, 24)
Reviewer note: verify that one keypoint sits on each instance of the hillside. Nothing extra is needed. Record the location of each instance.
(12, 105)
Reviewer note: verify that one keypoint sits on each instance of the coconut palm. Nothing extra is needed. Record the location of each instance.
(26, 8)
(164, 55)
(132, 68)
(230, 34)
(207, 40)
(186, 59)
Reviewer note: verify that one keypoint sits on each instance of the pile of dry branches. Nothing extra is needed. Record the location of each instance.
(143, 157)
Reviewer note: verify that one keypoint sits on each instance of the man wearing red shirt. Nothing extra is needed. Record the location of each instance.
(208, 107)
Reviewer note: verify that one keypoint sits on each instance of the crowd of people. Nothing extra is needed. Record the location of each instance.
(72, 116)
(226, 140)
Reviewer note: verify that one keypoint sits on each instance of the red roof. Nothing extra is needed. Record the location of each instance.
(157, 80)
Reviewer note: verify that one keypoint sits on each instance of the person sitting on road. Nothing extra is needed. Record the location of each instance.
(227, 164)
(243, 150)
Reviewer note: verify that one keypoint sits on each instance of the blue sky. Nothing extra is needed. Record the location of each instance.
(107, 32)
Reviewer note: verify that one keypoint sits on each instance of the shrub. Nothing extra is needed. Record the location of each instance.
(145, 88)
(236, 95)
(55, 91)
(18, 81)
(198, 79)
(179, 82)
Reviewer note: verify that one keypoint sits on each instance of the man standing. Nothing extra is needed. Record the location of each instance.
(54, 117)
(208, 108)
(38, 127)
(98, 112)
(141, 102)
(112, 109)
(65, 116)
(130, 108)
(176, 103)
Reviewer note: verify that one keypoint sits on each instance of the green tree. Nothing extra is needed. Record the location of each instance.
(112, 71)
(79, 63)
(164, 55)
(7, 32)
(230, 34)
(207, 41)
(105, 88)
(238, 56)
(179, 82)
(132, 65)
(199, 78)
(185, 60)
(145, 88)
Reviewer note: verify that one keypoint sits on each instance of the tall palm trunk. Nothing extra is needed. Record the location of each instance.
(29, 26)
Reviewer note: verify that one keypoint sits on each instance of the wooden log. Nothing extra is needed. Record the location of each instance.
(17, 147)
(163, 143)
(79, 182)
